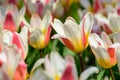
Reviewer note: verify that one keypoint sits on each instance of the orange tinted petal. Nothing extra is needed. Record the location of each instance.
(47, 37)
(112, 54)
(68, 43)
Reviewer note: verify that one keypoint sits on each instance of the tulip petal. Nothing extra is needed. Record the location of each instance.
(46, 21)
(102, 57)
(39, 74)
(58, 27)
(116, 37)
(114, 21)
(13, 58)
(87, 23)
(85, 74)
(17, 41)
(67, 75)
(50, 71)
(14, 10)
(70, 59)
(7, 36)
(106, 39)
(36, 39)
(97, 5)
(21, 71)
(47, 36)
(71, 30)
(73, 33)
(64, 40)
(118, 57)
(112, 53)
(58, 62)
(38, 63)
(20, 16)
(1, 19)
(85, 3)
(9, 22)
(95, 40)
(35, 22)
(24, 39)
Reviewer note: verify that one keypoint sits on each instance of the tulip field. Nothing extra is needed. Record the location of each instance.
(59, 39)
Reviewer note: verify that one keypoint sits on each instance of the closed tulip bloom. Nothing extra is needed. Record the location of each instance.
(103, 49)
(12, 19)
(40, 30)
(72, 35)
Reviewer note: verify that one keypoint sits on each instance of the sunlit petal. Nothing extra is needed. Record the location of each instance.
(58, 26)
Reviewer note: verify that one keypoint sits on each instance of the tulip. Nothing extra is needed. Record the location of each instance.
(10, 57)
(103, 49)
(21, 71)
(56, 68)
(12, 19)
(74, 36)
(40, 30)
(18, 39)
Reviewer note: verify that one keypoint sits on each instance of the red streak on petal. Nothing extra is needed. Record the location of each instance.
(47, 37)
(68, 75)
(16, 40)
(97, 5)
(1, 62)
(84, 39)
(0, 46)
(40, 7)
(9, 22)
(106, 28)
(12, 2)
(68, 43)
(118, 10)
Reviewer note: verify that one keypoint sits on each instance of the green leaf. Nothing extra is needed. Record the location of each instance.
(99, 77)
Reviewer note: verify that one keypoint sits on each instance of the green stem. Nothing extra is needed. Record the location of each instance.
(112, 75)
(41, 54)
(81, 62)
